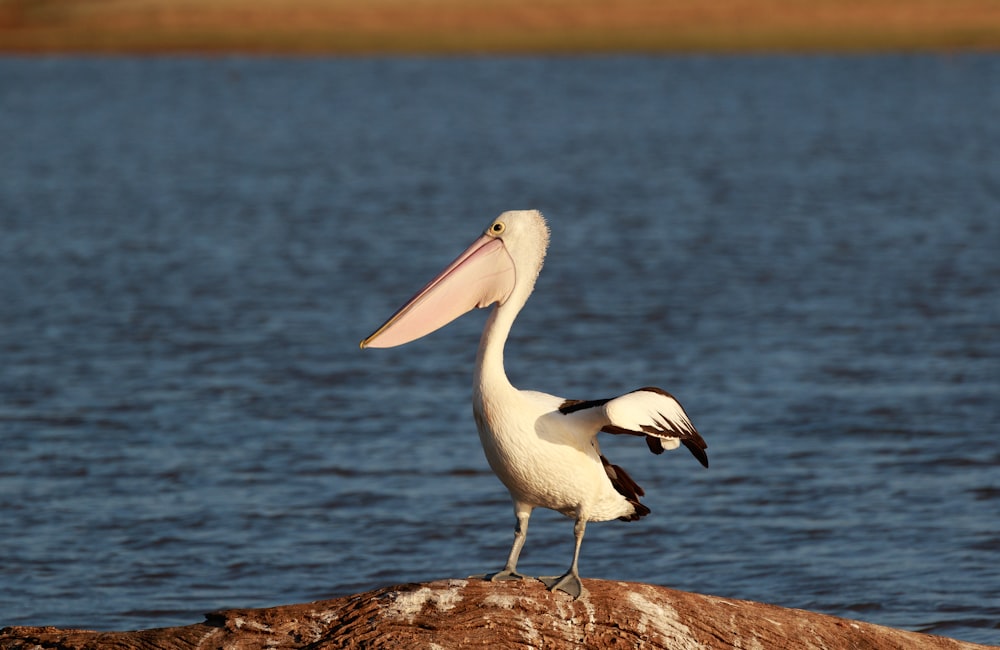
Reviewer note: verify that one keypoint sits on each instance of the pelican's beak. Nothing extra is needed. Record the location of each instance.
(479, 277)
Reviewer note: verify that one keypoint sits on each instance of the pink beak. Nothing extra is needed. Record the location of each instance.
(479, 277)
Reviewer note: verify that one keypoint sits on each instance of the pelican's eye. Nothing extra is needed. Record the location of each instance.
(497, 228)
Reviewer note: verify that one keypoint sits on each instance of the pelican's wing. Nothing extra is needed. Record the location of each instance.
(649, 412)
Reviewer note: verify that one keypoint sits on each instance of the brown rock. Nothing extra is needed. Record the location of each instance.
(475, 613)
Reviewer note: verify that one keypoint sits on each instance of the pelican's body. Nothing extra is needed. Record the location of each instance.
(547, 459)
(543, 448)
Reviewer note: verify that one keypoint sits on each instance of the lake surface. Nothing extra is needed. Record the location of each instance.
(805, 250)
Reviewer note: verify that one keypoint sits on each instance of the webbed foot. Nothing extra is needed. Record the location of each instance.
(500, 576)
(567, 583)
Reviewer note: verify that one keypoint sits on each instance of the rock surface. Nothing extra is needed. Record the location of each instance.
(475, 613)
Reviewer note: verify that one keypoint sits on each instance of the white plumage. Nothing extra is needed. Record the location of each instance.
(543, 448)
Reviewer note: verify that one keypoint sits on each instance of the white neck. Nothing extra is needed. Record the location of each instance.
(490, 381)
(490, 377)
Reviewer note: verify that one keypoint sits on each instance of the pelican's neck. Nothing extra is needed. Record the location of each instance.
(491, 379)
(491, 383)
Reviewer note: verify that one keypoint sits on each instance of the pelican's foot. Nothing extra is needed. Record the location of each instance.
(499, 576)
(568, 583)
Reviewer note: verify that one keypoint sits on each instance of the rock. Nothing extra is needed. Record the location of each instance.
(475, 613)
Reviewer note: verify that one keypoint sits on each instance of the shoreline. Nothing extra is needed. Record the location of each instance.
(495, 27)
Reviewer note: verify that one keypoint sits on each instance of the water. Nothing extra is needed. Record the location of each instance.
(803, 250)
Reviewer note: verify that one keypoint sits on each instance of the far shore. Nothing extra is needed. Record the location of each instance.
(350, 27)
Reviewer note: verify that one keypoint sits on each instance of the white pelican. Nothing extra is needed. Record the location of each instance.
(543, 448)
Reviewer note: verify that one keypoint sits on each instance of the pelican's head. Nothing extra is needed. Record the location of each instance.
(503, 263)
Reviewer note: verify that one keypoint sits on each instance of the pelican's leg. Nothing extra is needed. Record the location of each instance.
(509, 572)
(569, 582)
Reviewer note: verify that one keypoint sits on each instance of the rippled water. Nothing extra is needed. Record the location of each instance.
(803, 250)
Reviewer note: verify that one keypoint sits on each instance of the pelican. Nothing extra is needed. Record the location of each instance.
(543, 448)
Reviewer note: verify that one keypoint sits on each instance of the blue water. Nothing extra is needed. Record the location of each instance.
(805, 250)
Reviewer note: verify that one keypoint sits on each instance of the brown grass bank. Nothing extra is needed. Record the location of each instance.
(495, 26)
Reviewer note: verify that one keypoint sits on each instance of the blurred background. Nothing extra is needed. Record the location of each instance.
(458, 26)
(800, 243)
